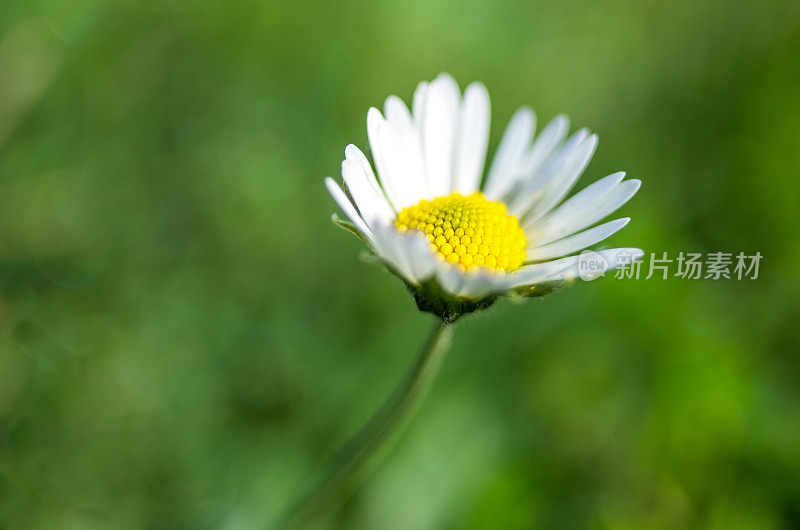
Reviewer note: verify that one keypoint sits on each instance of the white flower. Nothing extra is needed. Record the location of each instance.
(458, 243)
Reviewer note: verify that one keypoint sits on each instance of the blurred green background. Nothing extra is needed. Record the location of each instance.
(185, 337)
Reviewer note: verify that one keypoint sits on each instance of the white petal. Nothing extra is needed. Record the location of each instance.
(347, 207)
(423, 260)
(402, 253)
(561, 156)
(504, 168)
(390, 249)
(576, 242)
(473, 138)
(539, 186)
(408, 253)
(398, 250)
(481, 283)
(614, 258)
(367, 195)
(419, 103)
(406, 144)
(375, 126)
(531, 274)
(351, 152)
(438, 132)
(583, 210)
(406, 181)
(580, 200)
(564, 178)
(546, 143)
(397, 114)
(567, 268)
(450, 278)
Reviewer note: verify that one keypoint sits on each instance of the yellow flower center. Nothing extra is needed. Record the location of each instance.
(470, 231)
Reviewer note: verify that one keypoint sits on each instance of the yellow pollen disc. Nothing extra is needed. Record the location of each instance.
(470, 231)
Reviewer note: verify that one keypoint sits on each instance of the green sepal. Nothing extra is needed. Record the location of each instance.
(347, 225)
(431, 298)
(539, 289)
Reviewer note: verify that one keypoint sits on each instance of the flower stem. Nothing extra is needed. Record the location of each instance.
(364, 451)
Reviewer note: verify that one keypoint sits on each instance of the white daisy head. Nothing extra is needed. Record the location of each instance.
(459, 240)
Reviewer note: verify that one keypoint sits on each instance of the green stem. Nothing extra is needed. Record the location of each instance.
(364, 451)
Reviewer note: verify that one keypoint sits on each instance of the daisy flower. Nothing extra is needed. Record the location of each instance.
(458, 238)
